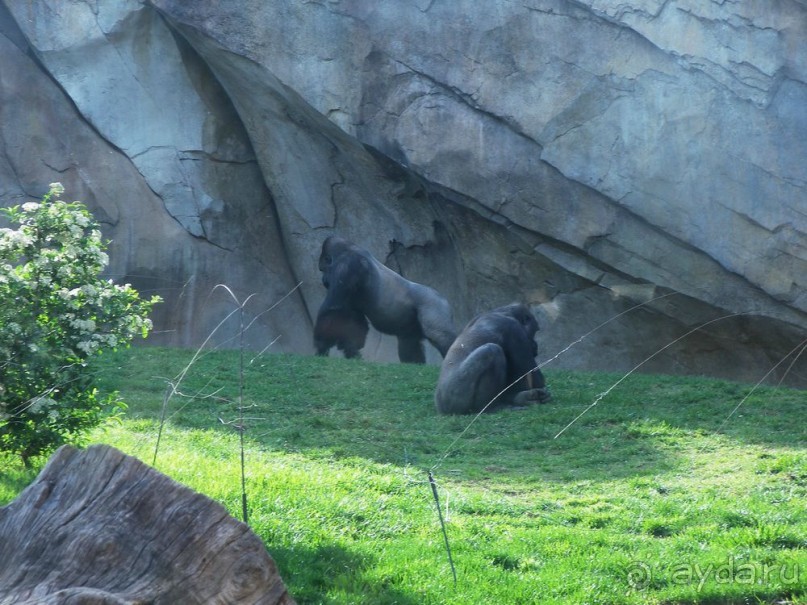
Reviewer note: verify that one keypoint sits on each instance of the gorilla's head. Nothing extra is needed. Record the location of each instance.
(332, 247)
(343, 266)
(522, 314)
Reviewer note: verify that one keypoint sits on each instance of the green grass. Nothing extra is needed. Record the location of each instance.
(652, 496)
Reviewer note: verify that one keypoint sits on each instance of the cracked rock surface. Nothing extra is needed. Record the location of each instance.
(584, 156)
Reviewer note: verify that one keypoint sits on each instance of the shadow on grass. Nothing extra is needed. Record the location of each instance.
(332, 573)
(384, 412)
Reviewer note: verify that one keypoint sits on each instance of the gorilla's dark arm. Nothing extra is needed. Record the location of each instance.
(527, 380)
(339, 322)
(346, 330)
(520, 352)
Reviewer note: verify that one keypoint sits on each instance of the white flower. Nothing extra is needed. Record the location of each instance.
(84, 325)
(10, 237)
(30, 206)
(87, 347)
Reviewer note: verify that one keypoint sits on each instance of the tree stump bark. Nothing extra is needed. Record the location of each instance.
(100, 527)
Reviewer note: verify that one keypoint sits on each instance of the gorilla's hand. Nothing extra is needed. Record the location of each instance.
(532, 396)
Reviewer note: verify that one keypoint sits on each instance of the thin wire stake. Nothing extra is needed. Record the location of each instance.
(443, 526)
(241, 427)
(802, 345)
(169, 390)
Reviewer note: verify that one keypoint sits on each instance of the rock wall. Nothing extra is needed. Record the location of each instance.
(583, 156)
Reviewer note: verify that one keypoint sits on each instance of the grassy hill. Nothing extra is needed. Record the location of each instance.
(663, 492)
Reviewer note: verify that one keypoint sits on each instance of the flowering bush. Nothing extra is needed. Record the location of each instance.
(56, 313)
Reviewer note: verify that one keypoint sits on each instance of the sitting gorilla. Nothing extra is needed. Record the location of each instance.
(496, 349)
(360, 288)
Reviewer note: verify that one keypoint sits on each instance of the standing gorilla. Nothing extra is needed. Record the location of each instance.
(360, 288)
(496, 349)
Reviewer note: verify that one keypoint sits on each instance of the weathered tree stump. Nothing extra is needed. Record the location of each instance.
(100, 527)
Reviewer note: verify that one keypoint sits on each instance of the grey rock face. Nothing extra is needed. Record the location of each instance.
(124, 114)
(582, 156)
